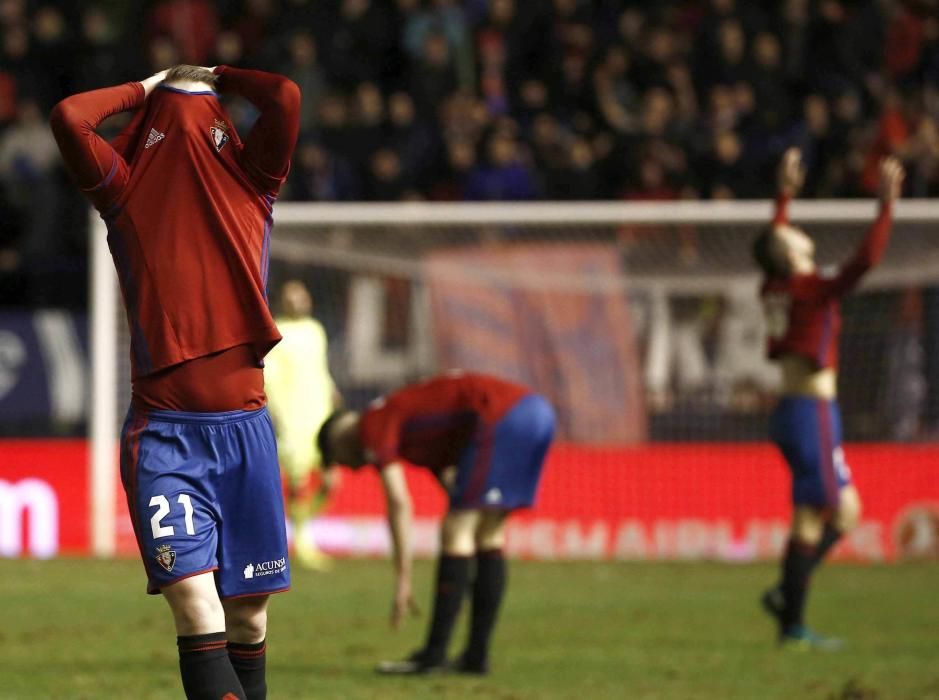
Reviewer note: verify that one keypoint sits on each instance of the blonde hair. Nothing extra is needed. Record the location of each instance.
(195, 74)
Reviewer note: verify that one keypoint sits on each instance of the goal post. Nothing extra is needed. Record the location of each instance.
(105, 345)
(621, 297)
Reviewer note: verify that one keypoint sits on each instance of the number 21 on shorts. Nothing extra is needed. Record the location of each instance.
(162, 504)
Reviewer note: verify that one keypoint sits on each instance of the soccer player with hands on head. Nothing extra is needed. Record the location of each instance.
(803, 321)
(188, 207)
(485, 440)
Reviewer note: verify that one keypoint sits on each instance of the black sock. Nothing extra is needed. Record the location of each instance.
(452, 577)
(830, 538)
(249, 660)
(206, 671)
(488, 590)
(797, 567)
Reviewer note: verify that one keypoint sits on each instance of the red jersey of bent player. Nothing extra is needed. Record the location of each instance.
(803, 312)
(429, 424)
(188, 208)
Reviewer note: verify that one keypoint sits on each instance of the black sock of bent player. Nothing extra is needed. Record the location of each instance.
(249, 661)
(452, 577)
(797, 567)
(830, 538)
(207, 673)
(488, 590)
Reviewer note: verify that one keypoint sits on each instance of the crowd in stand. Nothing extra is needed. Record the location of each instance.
(493, 99)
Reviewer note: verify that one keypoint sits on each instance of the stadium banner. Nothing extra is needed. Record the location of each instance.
(552, 338)
(727, 502)
(43, 368)
(44, 498)
(663, 501)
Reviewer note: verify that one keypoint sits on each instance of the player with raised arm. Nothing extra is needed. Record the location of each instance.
(301, 396)
(188, 209)
(803, 319)
(485, 440)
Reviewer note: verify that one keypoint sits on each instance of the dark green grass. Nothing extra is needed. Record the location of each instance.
(84, 629)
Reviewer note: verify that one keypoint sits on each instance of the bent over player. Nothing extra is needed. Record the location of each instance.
(803, 321)
(485, 440)
(188, 210)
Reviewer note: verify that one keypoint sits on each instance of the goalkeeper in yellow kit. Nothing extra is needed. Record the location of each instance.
(301, 395)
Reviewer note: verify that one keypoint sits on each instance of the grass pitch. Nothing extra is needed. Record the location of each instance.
(84, 629)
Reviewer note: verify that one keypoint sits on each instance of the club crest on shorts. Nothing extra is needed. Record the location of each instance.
(219, 134)
(166, 557)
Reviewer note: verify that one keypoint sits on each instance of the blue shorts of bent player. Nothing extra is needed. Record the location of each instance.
(808, 432)
(501, 467)
(204, 494)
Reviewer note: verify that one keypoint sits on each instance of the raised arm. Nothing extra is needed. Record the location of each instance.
(872, 248)
(272, 139)
(398, 500)
(95, 166)
(789, 178)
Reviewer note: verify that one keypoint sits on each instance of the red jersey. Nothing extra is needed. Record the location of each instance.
(429, 424)
(803, 312)
(188, 207)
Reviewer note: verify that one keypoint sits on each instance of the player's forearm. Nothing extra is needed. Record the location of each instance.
(875, 242)
(781, 208)
(84, 112)
(74, 121)
(264, 90)
(399, 522)
(870, 252)
(272, 139)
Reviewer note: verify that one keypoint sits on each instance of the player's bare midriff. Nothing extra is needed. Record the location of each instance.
(801, 377)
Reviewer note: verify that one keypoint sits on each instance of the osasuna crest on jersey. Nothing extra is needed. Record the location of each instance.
(219, 134)
(166, 556)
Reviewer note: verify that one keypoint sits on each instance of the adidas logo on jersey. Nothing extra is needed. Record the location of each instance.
(154, 137)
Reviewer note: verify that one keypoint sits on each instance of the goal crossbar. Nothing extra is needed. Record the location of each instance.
(593, 213)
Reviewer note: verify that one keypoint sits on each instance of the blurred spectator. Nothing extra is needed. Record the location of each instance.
(446, 18)
(386, 183)
(908, 131)
(504, 176)
(28, 160)
(191, 25)
(98, 61)
(450, 183)
(319, 176)
(359, 40)
(368, 133)
(304, 69)
(434, 77)
(414, 141)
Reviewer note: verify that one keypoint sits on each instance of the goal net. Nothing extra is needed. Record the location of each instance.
(639, 322)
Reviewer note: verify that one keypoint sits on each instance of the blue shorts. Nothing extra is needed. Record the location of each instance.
(501, 466)
(808, 432)
(204, 494)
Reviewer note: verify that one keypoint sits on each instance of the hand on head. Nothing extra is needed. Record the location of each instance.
(149, 84)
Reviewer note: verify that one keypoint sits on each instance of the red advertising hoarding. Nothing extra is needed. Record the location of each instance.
(661, 501)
